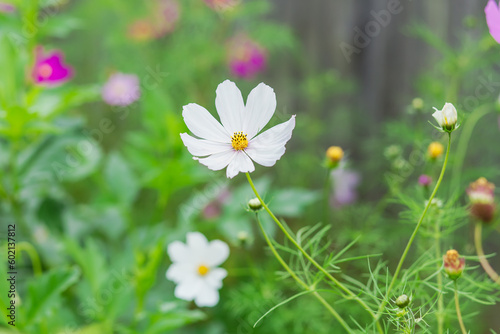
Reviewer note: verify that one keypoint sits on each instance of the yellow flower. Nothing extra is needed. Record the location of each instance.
(334, 154)
(435, 149)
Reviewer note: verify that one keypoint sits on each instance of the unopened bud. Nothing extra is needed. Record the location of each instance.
(333, 156)
(482, 198)
(402, 301)
(453, 264)
(254, 204)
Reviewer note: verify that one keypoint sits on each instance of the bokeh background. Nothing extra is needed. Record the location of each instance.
(98, 202)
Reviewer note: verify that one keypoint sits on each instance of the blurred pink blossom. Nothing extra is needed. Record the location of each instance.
(246, 57)
(493, 19)
(49, 69)
(121, 89)
(214, 208)
(424, 180)
(345, 183)
(7, 8)
(161, 21)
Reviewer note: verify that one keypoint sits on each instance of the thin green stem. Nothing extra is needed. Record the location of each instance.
(459, 314)
(33, 255)
(301, 282)
(478, 241)
(326, 196)
(440, 311)
(414, 234)
(310, 259)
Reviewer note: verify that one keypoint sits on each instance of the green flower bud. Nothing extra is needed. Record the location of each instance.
(402, 301)
(254, 204)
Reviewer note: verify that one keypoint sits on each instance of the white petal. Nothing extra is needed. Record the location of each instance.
(202, 124)
(229, 104)
(216, 253)
(202, 147)
(240, 163)
(207, 297)
(218, 161)
(190, 288)
(260, 107)
(439, 117)
(179, 272)
(178, 252)
(198, 245)
(215, 276)
(269, 146)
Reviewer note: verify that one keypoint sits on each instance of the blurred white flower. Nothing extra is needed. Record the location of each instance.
(235, 143)
(195, 268)
(447, 117)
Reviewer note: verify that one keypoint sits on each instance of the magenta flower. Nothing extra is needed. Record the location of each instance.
(246, 57)
(7, 8)
(493, 19)
(424, 180)
(121, 89)
(49, 69)
(345, 183)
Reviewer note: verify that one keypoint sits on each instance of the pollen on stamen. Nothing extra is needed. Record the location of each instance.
(239, 141)
(203, 270)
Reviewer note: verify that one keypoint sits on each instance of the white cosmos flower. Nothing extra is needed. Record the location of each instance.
(447, 117)
(235, 142)
(194, 268)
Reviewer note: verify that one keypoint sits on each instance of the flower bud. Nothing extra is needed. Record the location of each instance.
(446, 118)
(254, 204)
(417, 103)
(435, 150)
(453, 264)
(424, 180)
(402, 301)
(333, 156)
(482, 198)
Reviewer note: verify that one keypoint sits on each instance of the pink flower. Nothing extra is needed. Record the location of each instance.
(493, 19)
(167, 14)
(121, 89)
(246, 58)
(424, 180)
(345, 183)
(49, 69)
(7, 8)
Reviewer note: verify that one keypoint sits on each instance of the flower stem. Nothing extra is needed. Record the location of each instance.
(326, 196)
(301, 282)
(459, 314)
(310, 259)
(440, 311)
(414, 234)
(33, 255)
(480, 253)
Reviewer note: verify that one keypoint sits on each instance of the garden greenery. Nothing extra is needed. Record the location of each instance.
(127, 207)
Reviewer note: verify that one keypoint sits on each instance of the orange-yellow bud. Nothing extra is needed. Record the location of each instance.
(334, 154)
(435, 149)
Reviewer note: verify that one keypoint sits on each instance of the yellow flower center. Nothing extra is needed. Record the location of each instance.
(239, 141)
(45, 71)
(203, 270)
